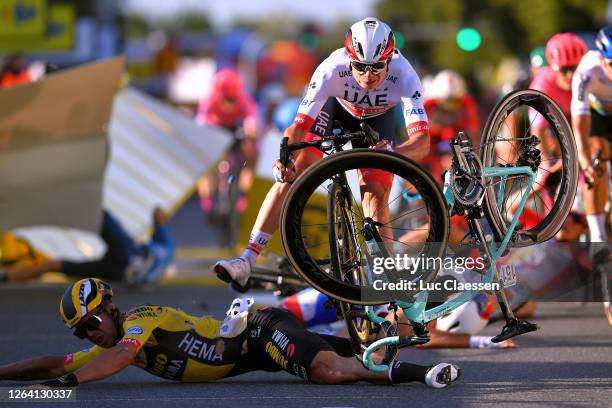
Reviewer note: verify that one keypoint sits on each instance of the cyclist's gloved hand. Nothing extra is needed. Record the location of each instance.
(384, 145)
(284, 174)
(66, 380)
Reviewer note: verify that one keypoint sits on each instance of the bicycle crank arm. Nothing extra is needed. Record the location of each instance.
(514, 328)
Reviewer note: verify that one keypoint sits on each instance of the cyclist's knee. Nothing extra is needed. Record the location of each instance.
(327, 368)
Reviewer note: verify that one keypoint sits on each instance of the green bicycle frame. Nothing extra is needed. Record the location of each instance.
(415, 311)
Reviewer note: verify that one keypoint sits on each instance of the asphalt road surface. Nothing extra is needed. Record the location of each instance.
(567, 363)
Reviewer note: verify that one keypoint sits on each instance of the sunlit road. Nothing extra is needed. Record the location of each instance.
(567, 363)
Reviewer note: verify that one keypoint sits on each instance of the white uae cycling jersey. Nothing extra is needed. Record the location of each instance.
(591, 87)
(333, 78)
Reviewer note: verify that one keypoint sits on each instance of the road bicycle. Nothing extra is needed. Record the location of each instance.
(371, 232)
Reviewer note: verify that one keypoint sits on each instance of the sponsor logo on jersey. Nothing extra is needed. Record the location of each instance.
(416, 95)
(312, 85)
(584, 80)
(414, 111)
(290, 350)
(417, 127)
(276, 355)
(134, 330)
(379, 99)
(255, 333)
(220, 347)
(166, 368)
(132, 342)
(280, 339)
(304, 102)
(198, 349)
(321, 122)
(343, 74)
(144, 311)
(392, 78)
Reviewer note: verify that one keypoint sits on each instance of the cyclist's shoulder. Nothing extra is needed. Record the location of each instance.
(336, 62)
(589, 61)
(148, 314)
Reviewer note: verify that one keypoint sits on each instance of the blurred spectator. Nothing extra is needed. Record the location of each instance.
(124, 260)
(14, 71)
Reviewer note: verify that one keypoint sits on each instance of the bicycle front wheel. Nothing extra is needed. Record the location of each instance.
(343, 253)
(508, 142)
(346, 269)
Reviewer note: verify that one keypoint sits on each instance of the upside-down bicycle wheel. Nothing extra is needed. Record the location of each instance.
(508, 141)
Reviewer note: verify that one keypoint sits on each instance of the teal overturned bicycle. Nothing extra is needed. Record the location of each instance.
(523, 187)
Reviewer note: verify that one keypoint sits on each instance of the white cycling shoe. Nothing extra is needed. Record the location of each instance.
(236, 272)
(441, 375)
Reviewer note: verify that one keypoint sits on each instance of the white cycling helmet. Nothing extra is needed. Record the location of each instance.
(369, 40)
(448, 85)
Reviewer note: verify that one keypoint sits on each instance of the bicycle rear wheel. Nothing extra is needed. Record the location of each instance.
(419, 232)
(507, 142)
(344, 252)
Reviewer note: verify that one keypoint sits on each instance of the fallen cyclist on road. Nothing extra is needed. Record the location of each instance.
(171, 344)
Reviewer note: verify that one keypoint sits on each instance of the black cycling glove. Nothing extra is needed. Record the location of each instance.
(66, 380)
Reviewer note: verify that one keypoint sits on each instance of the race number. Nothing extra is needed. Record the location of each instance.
(506, 274)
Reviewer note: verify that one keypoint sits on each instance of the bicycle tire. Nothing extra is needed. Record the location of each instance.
(343, 250)
(297, 198)
(561, 130)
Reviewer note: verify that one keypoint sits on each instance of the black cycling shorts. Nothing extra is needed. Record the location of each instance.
(277, 341)
(601, 125)
(332, 111)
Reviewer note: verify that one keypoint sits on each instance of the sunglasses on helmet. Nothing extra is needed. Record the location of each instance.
(375, 67)
(91, 323)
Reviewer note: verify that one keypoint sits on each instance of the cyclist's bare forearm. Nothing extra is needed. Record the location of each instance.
(112, 361)
(37, 368)
(581, 125)
(416, 147)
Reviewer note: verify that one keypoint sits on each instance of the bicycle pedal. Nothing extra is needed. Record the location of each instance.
(514, 328)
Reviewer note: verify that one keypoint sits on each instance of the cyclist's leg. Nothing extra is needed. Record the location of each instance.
(375, 185)
(595, 198)
(268, 217)
(287, 344)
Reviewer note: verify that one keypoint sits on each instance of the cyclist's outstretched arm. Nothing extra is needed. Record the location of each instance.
(581, 125)
(36, 368)
(110, 362)
(416, 147)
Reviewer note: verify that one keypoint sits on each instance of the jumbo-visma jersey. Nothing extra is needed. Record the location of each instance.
(173, 345)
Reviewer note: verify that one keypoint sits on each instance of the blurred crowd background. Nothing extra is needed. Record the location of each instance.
(173, 48)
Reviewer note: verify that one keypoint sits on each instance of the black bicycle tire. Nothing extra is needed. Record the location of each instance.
(297, 197)
(553, 221)
(337, 201)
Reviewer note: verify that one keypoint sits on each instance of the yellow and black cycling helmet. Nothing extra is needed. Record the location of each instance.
(81, 298)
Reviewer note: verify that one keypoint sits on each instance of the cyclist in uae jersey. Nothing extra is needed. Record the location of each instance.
(591, 109)
(171, 344)
(361, 82)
